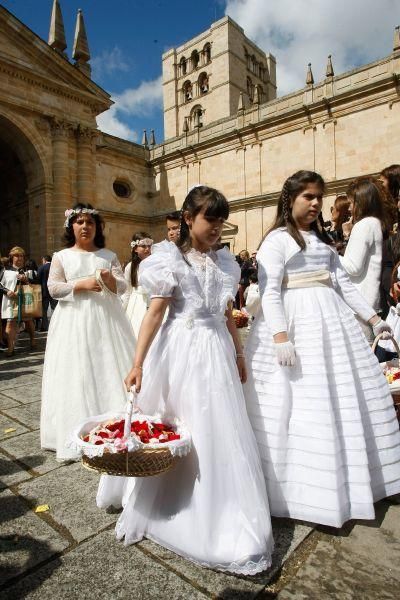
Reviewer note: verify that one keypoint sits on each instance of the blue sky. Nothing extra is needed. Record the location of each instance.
(128, 37)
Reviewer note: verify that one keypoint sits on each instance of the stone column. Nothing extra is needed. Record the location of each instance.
(85, 166)
(61, 174)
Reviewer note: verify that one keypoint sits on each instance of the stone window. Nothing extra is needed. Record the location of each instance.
(122, 189)
(260, 93)
(203, 83)
(187, 91)
(207, 53)
(196, 116)
(183, 66)
(250, 89)
(195, 58)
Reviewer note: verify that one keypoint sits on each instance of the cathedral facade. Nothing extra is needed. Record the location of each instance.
(224, 127)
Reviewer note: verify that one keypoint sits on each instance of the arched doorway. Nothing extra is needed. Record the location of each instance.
(22, 192)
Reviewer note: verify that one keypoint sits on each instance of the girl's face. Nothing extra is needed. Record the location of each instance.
(143, 251)
(18, 261)
(204, 231)
(84, 228)
(307, 206)
(334, 214)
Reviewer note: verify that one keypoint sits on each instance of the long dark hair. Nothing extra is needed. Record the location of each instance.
(392, 174)
(135, 260)
(293, 186)
(202, 196)
(99, 239)
(370, 200)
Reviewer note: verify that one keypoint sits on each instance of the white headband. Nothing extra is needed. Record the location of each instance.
(143, 242)
(72, 212)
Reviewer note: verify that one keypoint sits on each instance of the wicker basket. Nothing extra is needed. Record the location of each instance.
(140, 460)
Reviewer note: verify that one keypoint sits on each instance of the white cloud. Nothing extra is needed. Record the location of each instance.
(108, 62)
(297, 32)
(110, 123)
(142, 101)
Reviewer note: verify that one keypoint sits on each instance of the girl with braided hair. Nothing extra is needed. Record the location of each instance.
(316, 395)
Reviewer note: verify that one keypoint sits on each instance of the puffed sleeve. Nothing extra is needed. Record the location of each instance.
(231, 272)
(349, 292)
(157, 273)
(271, 266)
(59, 288)
(118, 274)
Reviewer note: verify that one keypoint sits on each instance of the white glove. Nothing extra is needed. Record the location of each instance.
(382, 327)
(397, 309)
(286, 354)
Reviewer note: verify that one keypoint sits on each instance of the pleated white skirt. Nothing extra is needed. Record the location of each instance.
(326, 429)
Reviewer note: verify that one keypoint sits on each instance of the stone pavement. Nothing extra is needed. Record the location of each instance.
(70, 551)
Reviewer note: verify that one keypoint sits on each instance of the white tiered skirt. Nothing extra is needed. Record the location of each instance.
(326, 429)
(212, 508)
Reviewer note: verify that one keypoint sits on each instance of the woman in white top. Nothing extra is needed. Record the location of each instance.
(136, 300)
(373, 217)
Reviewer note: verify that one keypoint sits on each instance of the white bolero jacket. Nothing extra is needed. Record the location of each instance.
(277, 258)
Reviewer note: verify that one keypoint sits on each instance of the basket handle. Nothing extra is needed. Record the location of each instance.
(131, 407)
(387, 337)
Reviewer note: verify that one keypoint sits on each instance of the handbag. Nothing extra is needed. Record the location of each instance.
(28, 304)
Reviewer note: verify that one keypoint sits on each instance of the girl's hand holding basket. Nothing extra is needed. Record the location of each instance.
(134, 379)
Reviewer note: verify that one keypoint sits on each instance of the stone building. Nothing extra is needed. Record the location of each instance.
(224, 127)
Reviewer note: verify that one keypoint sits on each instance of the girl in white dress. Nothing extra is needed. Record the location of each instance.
(316, 396)
(90, 343)
(212, 508)
(136, 300)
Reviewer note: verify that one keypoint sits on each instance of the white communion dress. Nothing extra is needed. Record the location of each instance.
(212, 508)
(135, 302)
(326, 428)
(89, 348)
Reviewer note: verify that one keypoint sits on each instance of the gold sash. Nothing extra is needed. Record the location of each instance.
(320, 278)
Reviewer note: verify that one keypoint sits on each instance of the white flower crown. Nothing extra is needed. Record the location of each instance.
(72, 212)
(143, 242)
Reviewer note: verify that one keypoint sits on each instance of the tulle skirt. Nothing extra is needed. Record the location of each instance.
(212, 508)
(89, 351)
(326, 429)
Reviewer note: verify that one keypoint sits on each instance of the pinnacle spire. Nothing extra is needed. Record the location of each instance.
(152, 138)
(310, 76)
(256, 98)
(80, 52)
(145, 142)
(396, 39)
(329, 67)
(57, 33)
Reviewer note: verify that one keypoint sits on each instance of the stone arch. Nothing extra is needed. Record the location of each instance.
(25, 180)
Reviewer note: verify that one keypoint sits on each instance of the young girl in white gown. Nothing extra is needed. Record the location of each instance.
(90, 342)
(316, 396)
(136, 300)
(212, 508)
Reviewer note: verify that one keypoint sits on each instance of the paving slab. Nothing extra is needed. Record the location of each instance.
(11, 378)
(25, 539)
(101, 568)
(71, 493)
(28, 415)
(287, 535)
(11, 472)
(25, 394)
(7, 402)
(7, 423)
(357, 564)
(26, 448)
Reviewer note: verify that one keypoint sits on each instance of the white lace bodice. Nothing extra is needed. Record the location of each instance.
(68, 266)
(198, 284)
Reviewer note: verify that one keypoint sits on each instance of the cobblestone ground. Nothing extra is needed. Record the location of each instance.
(70, 551)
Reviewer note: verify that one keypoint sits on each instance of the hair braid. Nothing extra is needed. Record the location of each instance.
(285, 201)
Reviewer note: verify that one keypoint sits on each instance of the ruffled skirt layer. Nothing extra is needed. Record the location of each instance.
(212, 508)
(326, 429)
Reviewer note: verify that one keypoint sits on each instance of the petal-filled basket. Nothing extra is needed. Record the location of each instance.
(124, 453)
(241, 320)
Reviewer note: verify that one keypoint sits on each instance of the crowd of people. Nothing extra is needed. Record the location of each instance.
(299, 424)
